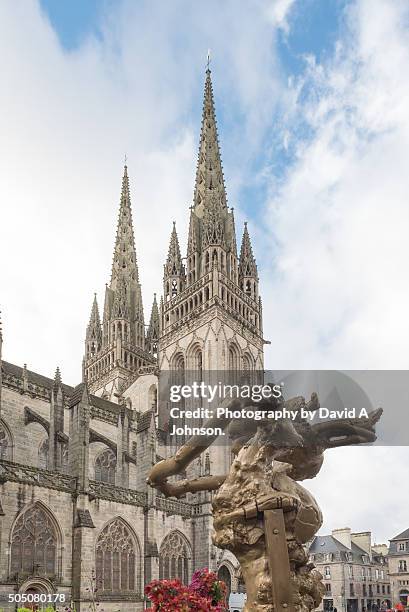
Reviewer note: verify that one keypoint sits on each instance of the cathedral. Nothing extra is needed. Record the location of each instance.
(77, 517)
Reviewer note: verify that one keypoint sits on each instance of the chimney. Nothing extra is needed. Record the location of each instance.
(343, 535)
(363, 540)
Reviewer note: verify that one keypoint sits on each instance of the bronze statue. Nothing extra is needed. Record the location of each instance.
(261, 513)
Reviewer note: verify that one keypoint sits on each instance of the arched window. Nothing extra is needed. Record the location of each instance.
(43, 453)
(116, 556)
(5, 443)
(225, 575)
(34, 543)
(153, 398)
(196, 358)
(233, 358)
(174, 558)
(248, 367)
(178, 369)
(105, 466)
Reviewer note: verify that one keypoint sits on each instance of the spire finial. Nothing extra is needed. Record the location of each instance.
(57, 377)
(208, 61)
(125, 160)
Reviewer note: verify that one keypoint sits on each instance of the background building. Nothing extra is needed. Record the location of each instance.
(74, 503)
(355, 573)
(399, 567)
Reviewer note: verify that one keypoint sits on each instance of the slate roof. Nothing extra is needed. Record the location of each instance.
(73, 393)
(393, 547)
(402, 536)
(328, 544)
(33, 377)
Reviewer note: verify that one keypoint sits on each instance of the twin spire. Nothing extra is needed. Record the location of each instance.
(124, 263)
(119, 341)
(211, 221)
(209, 187)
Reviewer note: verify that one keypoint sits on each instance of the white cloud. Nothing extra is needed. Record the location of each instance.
(338, 296)
(279, 11)
(67, 119)
(341, 216)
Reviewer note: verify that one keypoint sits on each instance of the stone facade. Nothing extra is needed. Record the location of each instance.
(355, 572)
(75, 510)
(399, 567)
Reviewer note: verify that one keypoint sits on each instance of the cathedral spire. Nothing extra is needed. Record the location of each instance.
(248, 274)
(174, 265)
(153, 331)
(93, 340)
(174, 270)
(209, 186)
(124, 263)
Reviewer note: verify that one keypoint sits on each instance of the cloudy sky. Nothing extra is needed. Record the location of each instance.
(313, 112)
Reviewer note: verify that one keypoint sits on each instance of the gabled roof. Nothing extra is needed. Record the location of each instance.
(402, 536)
(327, 544)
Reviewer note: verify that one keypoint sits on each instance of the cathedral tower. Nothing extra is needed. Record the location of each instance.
(211, 311)
(115, 349)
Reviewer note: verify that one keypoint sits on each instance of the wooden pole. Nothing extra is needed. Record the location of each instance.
(278, 561)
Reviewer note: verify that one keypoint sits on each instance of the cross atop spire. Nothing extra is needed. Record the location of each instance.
(209, 186)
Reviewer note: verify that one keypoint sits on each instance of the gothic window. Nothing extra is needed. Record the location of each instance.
(5, 444)
(197, 359)
(224, 575)
(105, 465)
(43, 453)
(233, 357)
(248, 367)
(153, 398)
(34, 543)
(116, 558)
(174, 558)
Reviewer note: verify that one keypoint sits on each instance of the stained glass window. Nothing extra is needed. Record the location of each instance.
(115, 558)
(174, 558)
(34, 543)
(105, 466)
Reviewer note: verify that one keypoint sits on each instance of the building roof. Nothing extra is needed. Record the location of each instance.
(327, 544)
(402, 536)
(71, 393)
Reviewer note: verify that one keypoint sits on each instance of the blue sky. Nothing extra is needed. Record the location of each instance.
(314, 28)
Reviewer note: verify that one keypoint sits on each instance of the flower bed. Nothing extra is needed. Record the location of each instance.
(206, 593)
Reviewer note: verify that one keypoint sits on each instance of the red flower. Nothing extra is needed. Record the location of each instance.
(206, 593)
